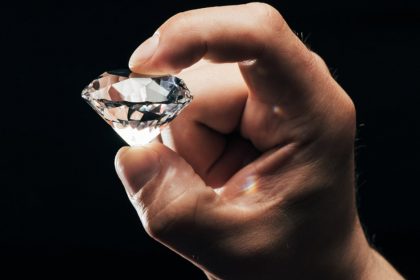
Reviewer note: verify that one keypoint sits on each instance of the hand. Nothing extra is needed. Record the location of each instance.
(255, 179)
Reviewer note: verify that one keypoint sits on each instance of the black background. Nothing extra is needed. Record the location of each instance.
(62, 203)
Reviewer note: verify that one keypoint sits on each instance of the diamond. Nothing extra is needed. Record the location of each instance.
(136, 106)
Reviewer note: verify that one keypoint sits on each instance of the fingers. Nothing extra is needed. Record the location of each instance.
(287, 85)
(199, 133)
(220, 34)
(163, 188)
(219, 95)
(253, 32)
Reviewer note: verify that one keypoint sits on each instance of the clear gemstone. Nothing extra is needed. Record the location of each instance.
(136, 106)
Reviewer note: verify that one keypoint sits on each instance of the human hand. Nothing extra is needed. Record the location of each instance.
(255, 179)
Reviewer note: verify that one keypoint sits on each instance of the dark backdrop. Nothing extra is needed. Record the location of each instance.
(62, 203)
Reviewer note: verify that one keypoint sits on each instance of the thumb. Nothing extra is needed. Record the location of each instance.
(163, 188)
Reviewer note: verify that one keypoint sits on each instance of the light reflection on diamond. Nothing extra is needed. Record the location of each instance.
(135, 106)
(136, 137)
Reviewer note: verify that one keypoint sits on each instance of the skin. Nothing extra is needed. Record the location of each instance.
(254, 179)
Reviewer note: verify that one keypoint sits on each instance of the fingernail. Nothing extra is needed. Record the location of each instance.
(145, 51)
(136, 167)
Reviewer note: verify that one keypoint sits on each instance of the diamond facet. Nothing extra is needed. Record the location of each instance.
(136, 106)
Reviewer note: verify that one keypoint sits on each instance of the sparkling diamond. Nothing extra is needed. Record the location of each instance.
(136, 106)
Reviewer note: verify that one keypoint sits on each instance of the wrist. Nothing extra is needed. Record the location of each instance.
(380, 268)
(361, 261)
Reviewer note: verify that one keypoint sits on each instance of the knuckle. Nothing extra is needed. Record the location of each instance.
(162, 221)
(339, 114)
(345, 106)
(349, 112)
(319, 61)
(346, 119)
(267, 15)
(343, 118)
(181, 20)
(155, 222)
(156, 227)
(165, 222)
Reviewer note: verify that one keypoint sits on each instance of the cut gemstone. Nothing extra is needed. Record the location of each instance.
(136, 106)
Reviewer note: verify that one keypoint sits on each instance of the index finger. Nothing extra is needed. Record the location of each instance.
(250, 32)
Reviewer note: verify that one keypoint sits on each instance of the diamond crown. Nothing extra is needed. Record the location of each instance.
(136, 106)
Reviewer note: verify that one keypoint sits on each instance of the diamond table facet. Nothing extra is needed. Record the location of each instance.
(136, 106)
